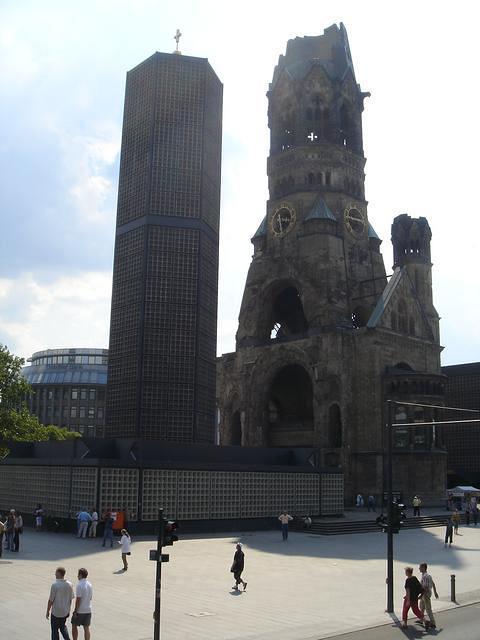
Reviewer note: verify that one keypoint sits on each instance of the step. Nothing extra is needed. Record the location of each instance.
(368, 526)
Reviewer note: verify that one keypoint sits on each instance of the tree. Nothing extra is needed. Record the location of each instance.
(16, 422)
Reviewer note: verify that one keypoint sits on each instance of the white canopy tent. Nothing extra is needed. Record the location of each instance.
(461, 491)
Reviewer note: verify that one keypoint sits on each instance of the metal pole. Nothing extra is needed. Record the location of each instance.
(452, 588)
(389, 510)
(158, 578)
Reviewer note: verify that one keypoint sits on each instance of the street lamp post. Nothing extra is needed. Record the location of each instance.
(389, 471)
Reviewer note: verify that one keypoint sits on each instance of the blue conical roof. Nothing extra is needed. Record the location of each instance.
(372, 233)
(262, 229)
(320, 211)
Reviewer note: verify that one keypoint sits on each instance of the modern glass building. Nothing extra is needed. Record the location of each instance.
(161, 375)
(463, 440)
(68, 388)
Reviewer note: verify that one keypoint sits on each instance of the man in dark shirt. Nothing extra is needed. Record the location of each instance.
(413, 590)
(237, 567)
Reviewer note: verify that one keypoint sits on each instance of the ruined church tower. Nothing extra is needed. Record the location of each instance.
(324, 335)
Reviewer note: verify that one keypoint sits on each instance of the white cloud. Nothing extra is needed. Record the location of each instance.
(68, 311)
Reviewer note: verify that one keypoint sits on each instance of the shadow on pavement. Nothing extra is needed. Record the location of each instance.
(411, 546)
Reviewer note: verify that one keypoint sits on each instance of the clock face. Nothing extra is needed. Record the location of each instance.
(355, 220)
(283, 219)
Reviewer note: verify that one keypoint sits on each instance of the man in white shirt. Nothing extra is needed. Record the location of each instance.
(82, 613)
(92, 532)
(59, 604)
(428, 586)
(285, 519)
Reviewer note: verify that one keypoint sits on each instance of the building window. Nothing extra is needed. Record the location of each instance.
(81, 412)
(100, 413)
(91, 412)
(83, 394)
(74, 394)
(73, 412)
(65, 412)
(50, 394)
(91, 394)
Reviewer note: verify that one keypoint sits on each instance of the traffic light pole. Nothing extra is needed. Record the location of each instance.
(158, 578)
(389, 471)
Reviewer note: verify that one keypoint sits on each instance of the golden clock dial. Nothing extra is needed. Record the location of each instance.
(355, 220)
(283, 219)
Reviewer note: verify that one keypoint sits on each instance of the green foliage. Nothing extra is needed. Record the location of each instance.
(16, 423)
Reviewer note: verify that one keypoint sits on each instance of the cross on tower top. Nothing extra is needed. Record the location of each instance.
(177, 37)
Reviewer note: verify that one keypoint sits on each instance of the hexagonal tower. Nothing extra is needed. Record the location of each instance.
(324, 337)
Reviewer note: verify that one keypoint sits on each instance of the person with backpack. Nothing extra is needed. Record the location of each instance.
(413, 590)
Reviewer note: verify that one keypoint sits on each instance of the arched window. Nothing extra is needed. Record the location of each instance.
(359, 317)
(319, 178)
(311, 178)
(411, 326)
(334, 427)
(288, 318)
(235, 429)
(290, 408)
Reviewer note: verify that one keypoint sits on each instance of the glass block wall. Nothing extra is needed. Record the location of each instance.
(331, 498)
(199, 495)
(183, 494)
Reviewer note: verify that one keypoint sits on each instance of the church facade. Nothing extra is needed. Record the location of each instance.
(325, 335)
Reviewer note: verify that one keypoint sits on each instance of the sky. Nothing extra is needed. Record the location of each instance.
(62, 81)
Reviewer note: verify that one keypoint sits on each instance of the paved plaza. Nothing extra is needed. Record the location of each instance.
(310, 587)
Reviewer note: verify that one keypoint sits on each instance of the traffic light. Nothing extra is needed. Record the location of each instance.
(169, 536)
(398, 516)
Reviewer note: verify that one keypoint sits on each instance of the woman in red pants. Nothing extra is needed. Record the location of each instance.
(413, 590)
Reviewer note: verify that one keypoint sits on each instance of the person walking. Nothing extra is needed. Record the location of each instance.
(474, 509)
(467, 512)
(18, 530)
(82, 612)
(92, 532)
(455, 521)
(285, 519)
(359, 500)
(413, 590)
(417, 503)
(237, 567)
(83, 519)
(59, 604)
(371, 503)
(449, 532)
(428, 585)
(108, 532)
(125, 542)
(38, 515)
(10, 530)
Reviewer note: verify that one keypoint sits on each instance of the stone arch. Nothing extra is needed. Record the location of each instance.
(235, 429)
(289, 407)
(262, 373)
(231, 421)
(359, 317)
(283, 316)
